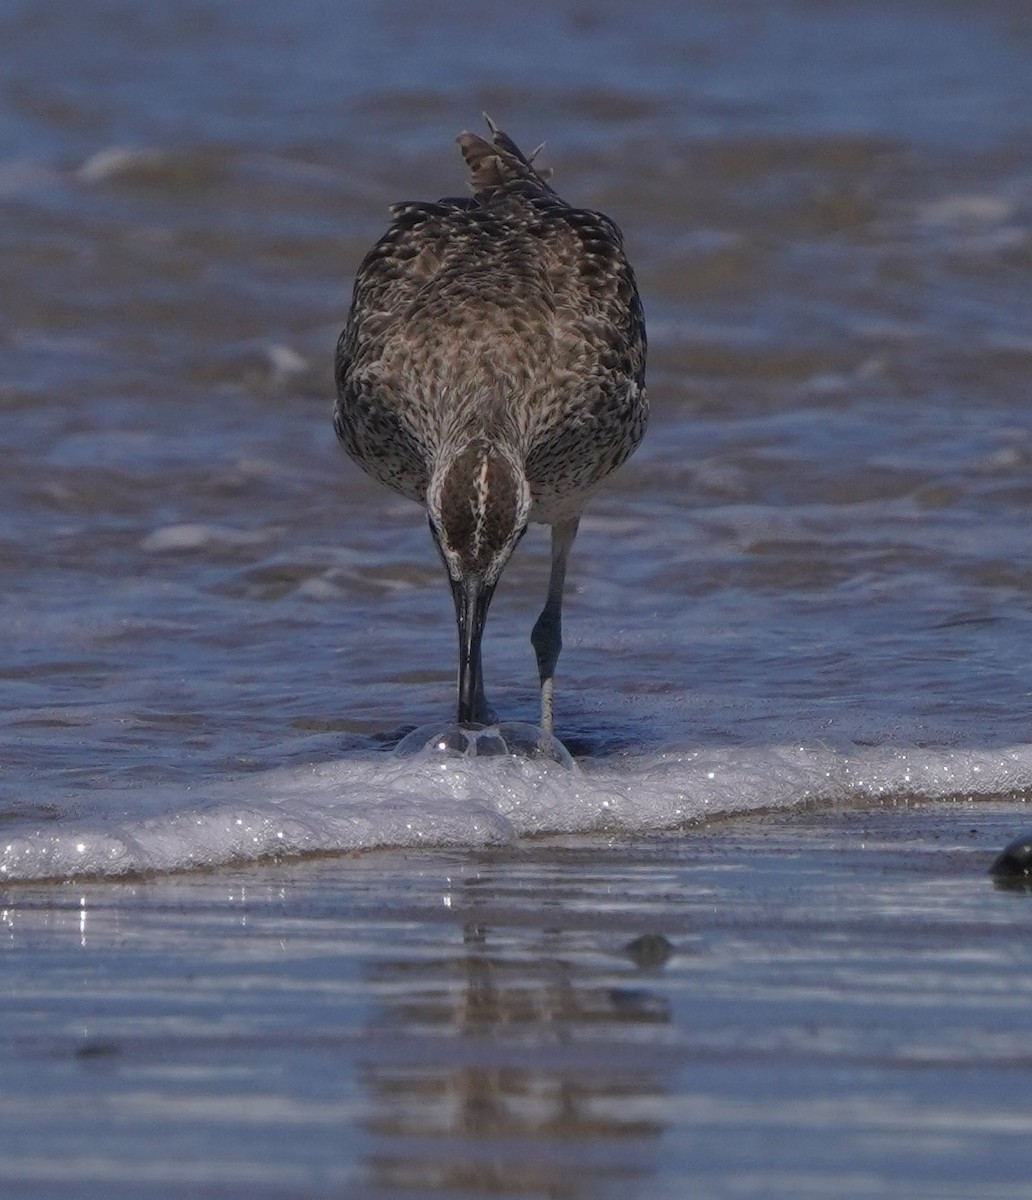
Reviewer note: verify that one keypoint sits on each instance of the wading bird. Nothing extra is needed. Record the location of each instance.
(493, 369)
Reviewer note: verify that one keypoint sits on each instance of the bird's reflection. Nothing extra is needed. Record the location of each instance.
(525, 1061)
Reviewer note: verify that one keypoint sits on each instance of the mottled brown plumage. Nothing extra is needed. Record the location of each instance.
(492, 369)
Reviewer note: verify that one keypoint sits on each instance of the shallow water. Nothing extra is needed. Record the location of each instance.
(811, 585)
(821, 546)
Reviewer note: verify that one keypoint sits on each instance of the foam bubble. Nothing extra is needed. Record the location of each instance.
(509, 738)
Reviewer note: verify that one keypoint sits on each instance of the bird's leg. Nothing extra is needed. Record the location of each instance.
(547, 634)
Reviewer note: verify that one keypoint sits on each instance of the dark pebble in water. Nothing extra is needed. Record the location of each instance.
(97, 1050)
(650, 950)
(639, 1005)
(1014, 863)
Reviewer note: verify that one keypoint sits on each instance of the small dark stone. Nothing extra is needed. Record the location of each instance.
(650, 950)
(639, 1004)
(1014, 863)
(97, 1049)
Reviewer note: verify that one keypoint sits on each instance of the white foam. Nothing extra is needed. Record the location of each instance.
(379, 800)
(118, 162)
(965, 210)
(180, 539)
(285, 361)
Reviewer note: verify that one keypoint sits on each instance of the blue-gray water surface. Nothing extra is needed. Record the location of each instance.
(822, 543)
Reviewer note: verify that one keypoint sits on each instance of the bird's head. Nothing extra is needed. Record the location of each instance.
(478, 501)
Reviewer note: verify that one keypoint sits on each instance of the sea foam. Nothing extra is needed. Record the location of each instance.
(429, 798)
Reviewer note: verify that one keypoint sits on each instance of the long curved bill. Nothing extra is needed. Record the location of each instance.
(472, 600)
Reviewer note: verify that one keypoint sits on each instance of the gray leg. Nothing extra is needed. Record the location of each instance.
(546, 636)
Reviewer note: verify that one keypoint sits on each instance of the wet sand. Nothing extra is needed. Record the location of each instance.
(822, 1003)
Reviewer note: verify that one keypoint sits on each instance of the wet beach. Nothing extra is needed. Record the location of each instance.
(748, 946)
(828, 1003)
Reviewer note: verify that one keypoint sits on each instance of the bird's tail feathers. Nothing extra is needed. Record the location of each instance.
(500, 162)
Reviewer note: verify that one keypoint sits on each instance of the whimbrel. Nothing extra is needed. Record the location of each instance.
(493, 369)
